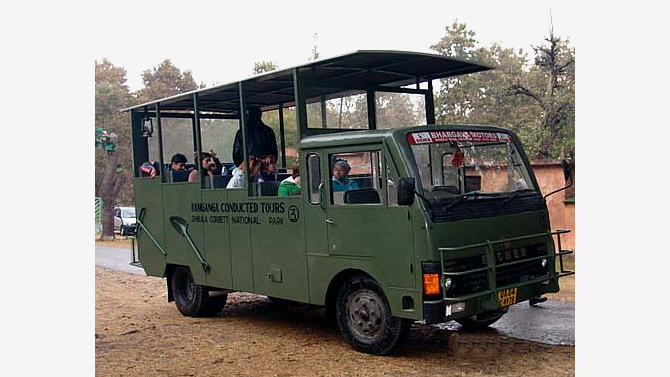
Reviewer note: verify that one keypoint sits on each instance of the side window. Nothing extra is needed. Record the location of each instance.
(356, 177)
(314, 176)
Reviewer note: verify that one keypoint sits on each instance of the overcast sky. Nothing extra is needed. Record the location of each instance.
(220, 42)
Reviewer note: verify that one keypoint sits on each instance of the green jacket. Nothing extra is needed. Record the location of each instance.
(288, 187)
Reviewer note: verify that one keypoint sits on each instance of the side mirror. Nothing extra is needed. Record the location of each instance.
(567, 174)
(567, 170)
(147, 127)
(406, 191)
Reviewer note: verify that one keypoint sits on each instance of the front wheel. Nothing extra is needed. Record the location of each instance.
(191, 299)
(482, 320)
(364, 317)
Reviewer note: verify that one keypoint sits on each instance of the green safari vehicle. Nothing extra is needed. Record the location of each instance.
(435, 222)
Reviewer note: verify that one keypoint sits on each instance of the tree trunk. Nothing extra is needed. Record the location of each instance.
(107, 192)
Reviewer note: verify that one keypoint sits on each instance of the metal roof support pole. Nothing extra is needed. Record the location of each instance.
(159, 133)
(372, 110)
(430, 104)
(243, 128)
(198, 140)
(323, 112)
(140, 144)
(300, 103)
(282, 138)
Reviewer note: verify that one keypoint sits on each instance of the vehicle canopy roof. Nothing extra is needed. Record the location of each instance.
(353, 73)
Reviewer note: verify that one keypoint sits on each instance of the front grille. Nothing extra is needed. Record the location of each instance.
(470, 283)
(505, 275)
(505, 254)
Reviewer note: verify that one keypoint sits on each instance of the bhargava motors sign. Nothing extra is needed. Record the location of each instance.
(463, 136)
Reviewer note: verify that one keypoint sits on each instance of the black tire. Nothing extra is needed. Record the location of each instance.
(364, 317)
(191, 299)
(481, 320)
(122, 231)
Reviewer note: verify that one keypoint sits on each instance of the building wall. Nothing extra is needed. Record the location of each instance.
(549, 176)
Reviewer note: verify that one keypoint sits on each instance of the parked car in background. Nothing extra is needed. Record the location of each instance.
(124, 221)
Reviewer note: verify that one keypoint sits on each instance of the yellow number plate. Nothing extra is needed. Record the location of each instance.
(507, 297)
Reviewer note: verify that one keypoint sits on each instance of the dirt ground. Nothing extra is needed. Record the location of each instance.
(138, 333)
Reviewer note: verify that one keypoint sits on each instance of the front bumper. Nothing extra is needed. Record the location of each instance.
(493, 295)
(130, 230)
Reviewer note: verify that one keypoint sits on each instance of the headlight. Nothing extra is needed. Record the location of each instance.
(455, 308)
(447, 284)
(544, 263)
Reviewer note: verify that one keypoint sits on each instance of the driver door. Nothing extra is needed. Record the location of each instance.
(363, 222)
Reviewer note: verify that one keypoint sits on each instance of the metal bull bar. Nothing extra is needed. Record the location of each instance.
(491, 264)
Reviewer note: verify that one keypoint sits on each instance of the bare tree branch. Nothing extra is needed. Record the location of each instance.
(518, 89)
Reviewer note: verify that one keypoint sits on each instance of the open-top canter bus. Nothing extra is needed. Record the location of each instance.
(447, 221)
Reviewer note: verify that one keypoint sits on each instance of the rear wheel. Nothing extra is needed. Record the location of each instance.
(191, 299)
(364, 317)
(482, 320)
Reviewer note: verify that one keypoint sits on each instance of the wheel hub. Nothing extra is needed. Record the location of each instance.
(187, 287)
(366, 313)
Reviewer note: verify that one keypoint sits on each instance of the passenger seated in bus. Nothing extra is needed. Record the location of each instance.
(239, 179)
(149, 169)
(210, 166)
(341, 181)
(268, 171)
(261, 141)
(178, 162)
(291, 185)
(177, 171)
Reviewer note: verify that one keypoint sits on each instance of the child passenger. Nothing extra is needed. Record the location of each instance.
(291, 185)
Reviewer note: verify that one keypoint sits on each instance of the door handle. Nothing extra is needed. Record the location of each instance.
(329, 221)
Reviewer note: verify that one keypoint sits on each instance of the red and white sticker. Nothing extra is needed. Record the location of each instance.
(445, 136)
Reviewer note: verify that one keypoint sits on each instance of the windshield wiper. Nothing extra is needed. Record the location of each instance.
(515, 194)
(469, 194)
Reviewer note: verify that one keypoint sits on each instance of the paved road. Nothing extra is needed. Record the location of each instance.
(553, 322)
(115, 258)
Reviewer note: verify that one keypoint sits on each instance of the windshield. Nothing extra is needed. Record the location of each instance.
(454, 163)
(127, 212)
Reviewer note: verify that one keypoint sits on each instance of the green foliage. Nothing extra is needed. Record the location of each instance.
(163, 81)
(495, 97)
(111, 95)
(264, 66)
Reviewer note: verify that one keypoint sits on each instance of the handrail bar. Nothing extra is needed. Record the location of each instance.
(461, 273)
(491, 266)
(557, 232)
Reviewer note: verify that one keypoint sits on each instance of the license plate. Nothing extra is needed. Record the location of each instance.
(507, 297)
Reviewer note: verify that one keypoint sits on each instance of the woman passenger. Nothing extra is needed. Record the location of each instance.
(210, 166)
(341, 180)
